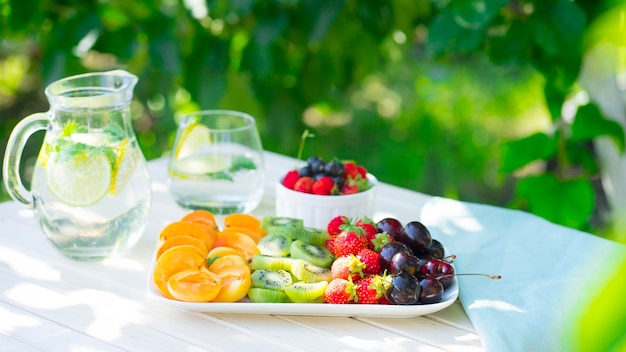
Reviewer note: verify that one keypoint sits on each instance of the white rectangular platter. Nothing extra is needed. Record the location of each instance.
(313, 309)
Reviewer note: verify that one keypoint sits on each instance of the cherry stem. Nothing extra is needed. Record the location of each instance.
(450, 258)
(492, 277)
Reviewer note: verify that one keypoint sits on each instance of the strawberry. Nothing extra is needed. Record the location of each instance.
(323, 186)
(349, 189)
(334, 225)
(370, 259)
(350, 241)
(330, 244)
(340, 291)
(304, 184)
(371, 289)
(350, 170)
(291, 178)
(362, 171)
(370, 230)
(347, 267)
(380, 240)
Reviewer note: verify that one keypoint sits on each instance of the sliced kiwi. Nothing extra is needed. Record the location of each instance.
(306, 292)
(266, 262)
(271, 224)
(309, 235)
(266, 295)
(316, 255)
(274, 244)
(271, 279)
(307, 272)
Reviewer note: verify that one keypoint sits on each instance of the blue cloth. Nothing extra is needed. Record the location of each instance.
(548, 272)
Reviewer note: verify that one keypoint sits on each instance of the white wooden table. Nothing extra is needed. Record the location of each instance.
(51, 303)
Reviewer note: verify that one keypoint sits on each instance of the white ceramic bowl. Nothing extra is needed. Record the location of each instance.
(316, 210)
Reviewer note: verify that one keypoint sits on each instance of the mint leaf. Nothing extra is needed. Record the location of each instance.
(238, 164)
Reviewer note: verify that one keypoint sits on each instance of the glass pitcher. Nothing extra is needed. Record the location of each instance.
(90, 188)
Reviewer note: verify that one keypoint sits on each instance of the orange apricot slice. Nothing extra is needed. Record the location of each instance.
(204, 217)
(184, 228)
(236, 282)
(238, 241)
(194, 285)
(222, 251)
(255, 235)
(227, 261)
(174, 260)
(179, 241)
(243, 220)
(210, 231)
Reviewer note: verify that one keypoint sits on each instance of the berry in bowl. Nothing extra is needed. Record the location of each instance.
(318, 191)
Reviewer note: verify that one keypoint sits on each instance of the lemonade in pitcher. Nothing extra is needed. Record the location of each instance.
(81, 190)
(90, 188)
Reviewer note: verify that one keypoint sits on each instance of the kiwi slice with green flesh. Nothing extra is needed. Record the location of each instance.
(271, 224)
(274, 244)
(266, 262)
(266, 295)
(309, 235)
(306, 292)
(316, 255)
(307, 272)
(271, 279)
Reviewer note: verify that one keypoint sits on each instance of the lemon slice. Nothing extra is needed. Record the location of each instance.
(200, 164)
(192, 138)
(124, 166)
(81, 181)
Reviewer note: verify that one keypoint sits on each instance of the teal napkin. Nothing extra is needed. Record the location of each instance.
(548, 272)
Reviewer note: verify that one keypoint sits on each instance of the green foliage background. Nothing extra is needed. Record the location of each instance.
(456, 98)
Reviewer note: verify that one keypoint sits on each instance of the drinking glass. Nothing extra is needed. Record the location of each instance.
(216, 162)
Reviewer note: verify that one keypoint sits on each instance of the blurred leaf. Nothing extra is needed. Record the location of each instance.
(582, 154)
(601, 327)
(515, 45)
(558, 26)
(518, 153)
(589, 123)
(566, 202)
(205, 70)
(462, 25)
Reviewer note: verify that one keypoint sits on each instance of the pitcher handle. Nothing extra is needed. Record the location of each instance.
(13, 155)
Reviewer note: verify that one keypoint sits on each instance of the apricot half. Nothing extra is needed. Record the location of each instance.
(236, 282)
(193, 285)
(184, 228)
(174, 260)
(238, 241)
(180, 241)
(203, 217)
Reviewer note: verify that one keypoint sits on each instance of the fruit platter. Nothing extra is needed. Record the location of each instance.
(354, 267)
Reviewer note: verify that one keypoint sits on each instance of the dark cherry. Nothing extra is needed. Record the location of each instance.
(388, 251)
(432, 290)
(436, 250)
(404, 262)
(416, 236)
(405, 289)
(439, 268)
(391, 226)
